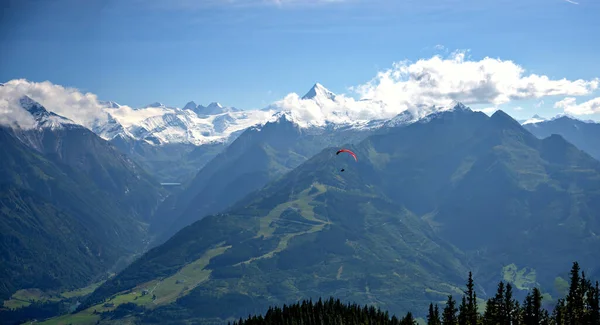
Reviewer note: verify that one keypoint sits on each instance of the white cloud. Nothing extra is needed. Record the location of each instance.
(340, 109)
(417, 86)
(488, 81)
(487, 110)
(570, 106)
(82, 108)
(573, 2)
(128, 116)
(11, 113)
(518, 108)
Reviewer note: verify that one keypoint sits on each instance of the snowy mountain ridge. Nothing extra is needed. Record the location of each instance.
(159, 124)
(42, 117)
(536, 119)
(319, 109)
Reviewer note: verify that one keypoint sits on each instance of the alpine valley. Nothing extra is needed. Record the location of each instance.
(263, 214)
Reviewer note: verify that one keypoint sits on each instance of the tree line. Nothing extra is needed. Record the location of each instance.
(579, 307)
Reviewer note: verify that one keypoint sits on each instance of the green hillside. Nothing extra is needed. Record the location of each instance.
(72, 210)
(493, 189)
(352, 243)
(388, 230)
(259, 155)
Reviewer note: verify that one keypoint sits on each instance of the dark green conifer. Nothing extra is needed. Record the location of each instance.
(463, 312)
(449, 313)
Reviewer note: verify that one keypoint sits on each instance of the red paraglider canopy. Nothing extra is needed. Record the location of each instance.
(348, 151)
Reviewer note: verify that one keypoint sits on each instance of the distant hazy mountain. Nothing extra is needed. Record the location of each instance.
(164, 139)
(384, 230)
(534, 119)
(213, 108)
(72, 206)
(583, 134)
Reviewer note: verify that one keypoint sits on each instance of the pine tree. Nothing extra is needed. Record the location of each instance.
(594, 304)
(508, 316)
(430, 315)
(433, 317)
(585, 288)
(408, 319)
(449, 313)
(533, 313)
(582, 301)
(494, 310)
(489, 315)
(544, 317)
(471, 301)
(559, 314)
(574, 301)
(517, 316)
(463, 312)
(529, 317)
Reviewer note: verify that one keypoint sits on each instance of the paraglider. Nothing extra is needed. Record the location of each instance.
(348, 151)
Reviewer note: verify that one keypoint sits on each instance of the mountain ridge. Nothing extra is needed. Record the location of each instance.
(53, 178)
(584, 134)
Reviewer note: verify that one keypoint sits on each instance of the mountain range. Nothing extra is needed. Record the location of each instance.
(425, 202)
(259, 155)
(58, 169)
(173, 144)
(167, 140)
(584, 134)
(265, 215)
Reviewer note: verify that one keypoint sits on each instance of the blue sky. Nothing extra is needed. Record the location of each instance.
(250, 53)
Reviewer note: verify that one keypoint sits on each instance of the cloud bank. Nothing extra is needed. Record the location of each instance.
(82, 108)
(438, 81)
(11, 112)
(415, 86)
(570, 106)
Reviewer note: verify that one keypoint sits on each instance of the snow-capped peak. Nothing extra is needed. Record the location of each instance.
(453, 106)
(283, 116)
(571, 117)
(109, 104)
(110, 128)
(42, 117)
(535, 119)
(158, 124)
(214, 108)
(156, 105)
(405, 117)
(214, 105)
(318, 91)
(427, 115)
